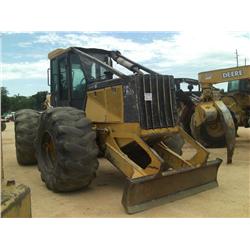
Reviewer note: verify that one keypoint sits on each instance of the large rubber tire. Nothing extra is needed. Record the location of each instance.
(26, 123)
(66, 149)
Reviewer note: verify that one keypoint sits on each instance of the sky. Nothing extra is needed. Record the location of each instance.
(24, 59)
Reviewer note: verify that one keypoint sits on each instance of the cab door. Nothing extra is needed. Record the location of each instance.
(60, 91)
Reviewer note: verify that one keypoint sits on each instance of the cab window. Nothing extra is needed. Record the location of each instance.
(78, 78)
(63, 86)
(98, 73)
(94, 71)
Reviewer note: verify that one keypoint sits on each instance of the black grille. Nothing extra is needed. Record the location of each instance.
(156, 101)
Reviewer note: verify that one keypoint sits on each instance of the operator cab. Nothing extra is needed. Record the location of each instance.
(70, 74)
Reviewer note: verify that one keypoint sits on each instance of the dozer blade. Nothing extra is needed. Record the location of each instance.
(150, 191)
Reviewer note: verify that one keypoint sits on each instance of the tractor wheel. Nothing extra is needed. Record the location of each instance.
(66, 149)
(26, 123)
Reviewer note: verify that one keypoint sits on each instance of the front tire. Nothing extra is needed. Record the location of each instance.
(66, 149)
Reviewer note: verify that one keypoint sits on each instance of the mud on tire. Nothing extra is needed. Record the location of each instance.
(66, 149)
(26, 123)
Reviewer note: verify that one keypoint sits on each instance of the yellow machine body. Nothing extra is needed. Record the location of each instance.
(105, 108)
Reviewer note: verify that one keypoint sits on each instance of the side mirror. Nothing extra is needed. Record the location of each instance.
(48, 77)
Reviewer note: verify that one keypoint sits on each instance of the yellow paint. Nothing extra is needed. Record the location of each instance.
(105, 105)
(57, 52)
(223, 75)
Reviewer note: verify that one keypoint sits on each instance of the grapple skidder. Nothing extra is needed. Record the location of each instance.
(130, 119)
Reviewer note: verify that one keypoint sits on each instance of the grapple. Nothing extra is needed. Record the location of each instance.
(229, 128)
(219, 132)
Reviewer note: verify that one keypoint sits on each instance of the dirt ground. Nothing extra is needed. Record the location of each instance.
(103, 197)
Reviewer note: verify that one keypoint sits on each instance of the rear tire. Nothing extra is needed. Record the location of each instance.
(66, 149)
(26, 123)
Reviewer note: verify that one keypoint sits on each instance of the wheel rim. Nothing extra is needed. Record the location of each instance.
(49, 151)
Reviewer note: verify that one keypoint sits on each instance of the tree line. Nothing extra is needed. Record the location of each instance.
(17, 102)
